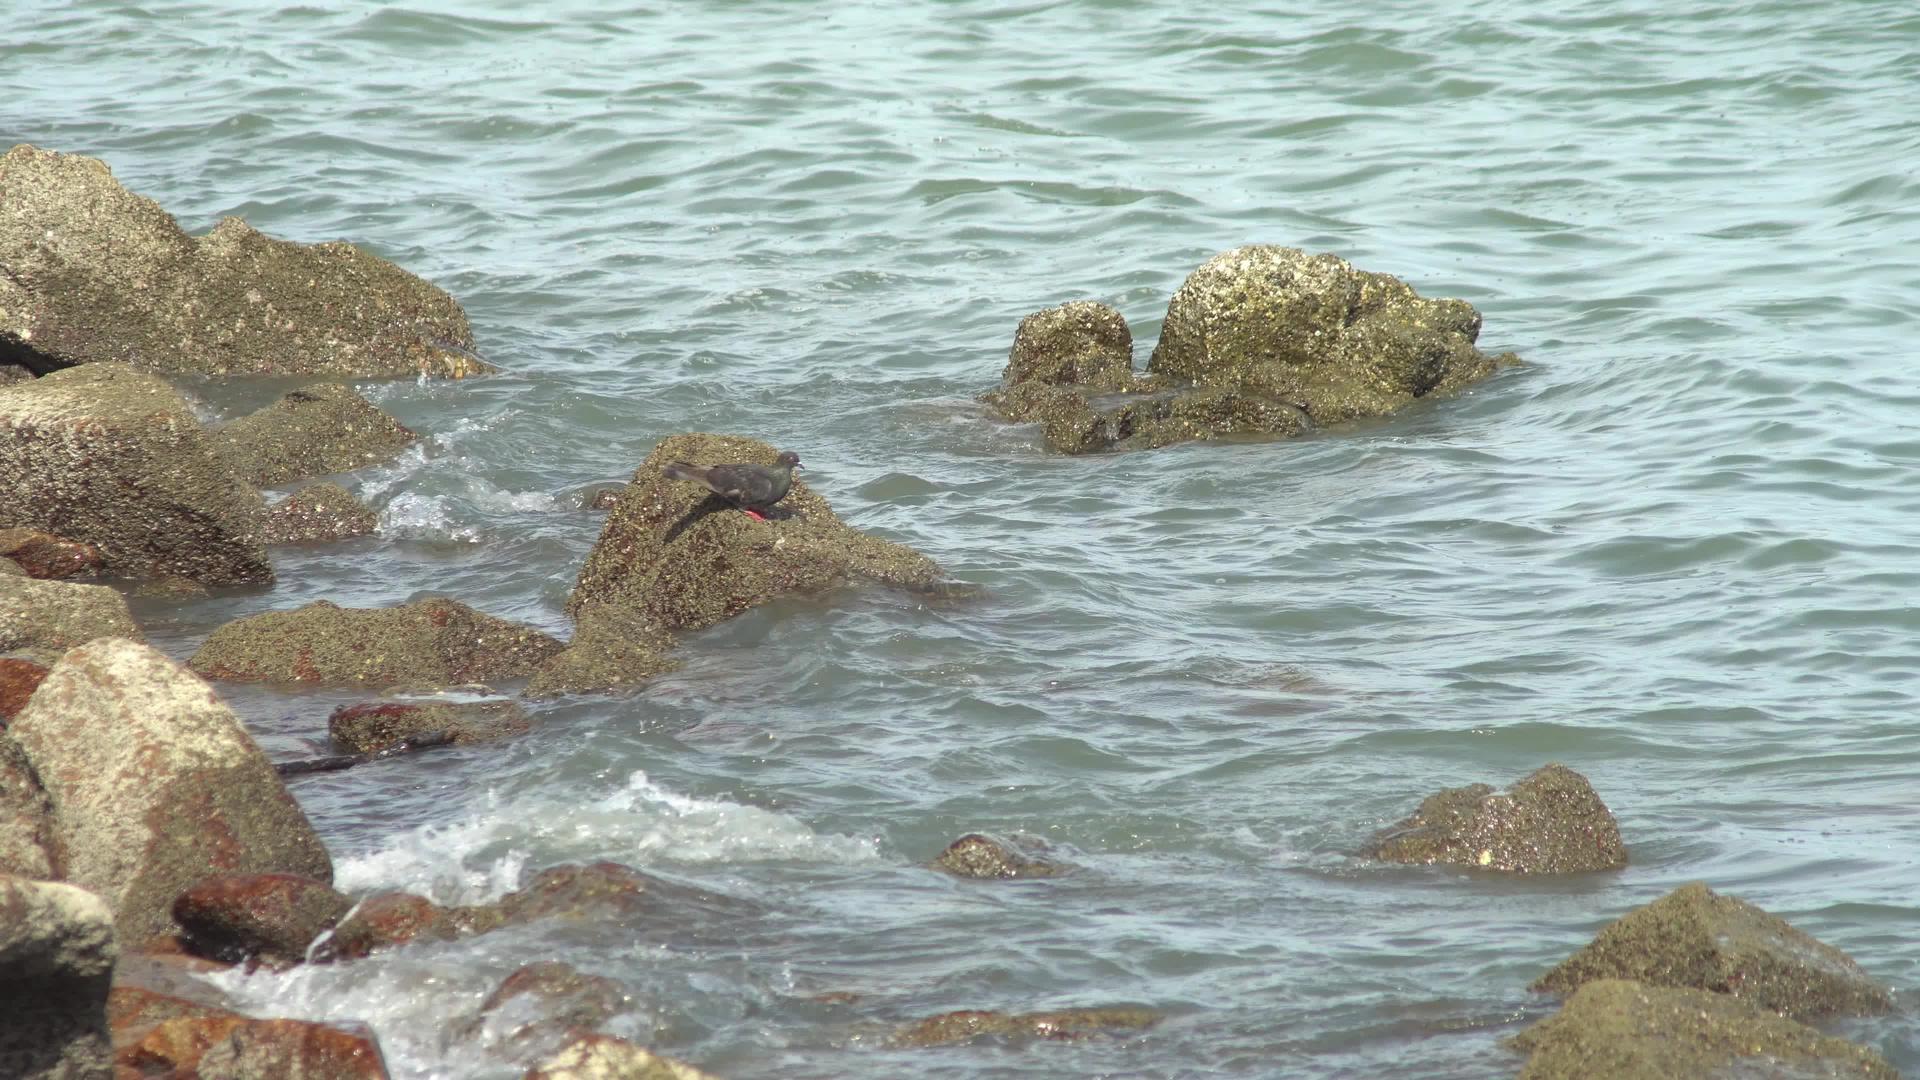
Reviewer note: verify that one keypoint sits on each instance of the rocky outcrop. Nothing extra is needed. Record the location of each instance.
(46, 618)
(113, 457)
(1549, 823)
(315, 430)
(95, 272)
(29, 847)
(1055, 1024)
(590, 1056)
(155, 785)
(673, 557)
(56, 964)
(977, 856)
(317, 513)
(374, 726)
(1693, 937)
(42, 555)
(1620, 1030)
(426, 643)
(267, 919)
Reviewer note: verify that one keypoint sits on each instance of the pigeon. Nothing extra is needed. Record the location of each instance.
(752, 488)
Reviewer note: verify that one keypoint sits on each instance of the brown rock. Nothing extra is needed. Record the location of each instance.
(134, 1011)
(114, 457)
(155, 784)
(1550, 823)
(1082, 342)
(292, 1050)
(428, 642)
(268, 918)
(604, 1057)
(374, 726)
(545, 1001)
(1693, 937)
(46, 618)
(319, 512)
(56, 964)
(177, 1044)
(395, 918)
(977, 856)
(1619, 1030)
(18, 680)
(1056, 1024)
(315, 430)
(29, 847)
(98, 273)
(612, 649)
(43, 555)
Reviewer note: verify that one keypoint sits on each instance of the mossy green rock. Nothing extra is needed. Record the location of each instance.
(1694, 937)
(1552, 822)
(434, 642)
(114, 457)
(96, 272)
(1615, 1029)
(1313, 331)
(315, 430)
(671, 557)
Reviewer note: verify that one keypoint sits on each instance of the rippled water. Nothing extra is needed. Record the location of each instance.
(1676, 552)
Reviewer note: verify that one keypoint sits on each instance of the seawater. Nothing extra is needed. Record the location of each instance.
(1677, 551)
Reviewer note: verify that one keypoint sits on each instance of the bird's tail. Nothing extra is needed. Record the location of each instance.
(679, 470)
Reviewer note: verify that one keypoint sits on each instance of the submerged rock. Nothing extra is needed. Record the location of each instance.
(429, 643)
(45, 556)
(977, 856)
(674, 557)
(1694, 937)
(315, 430)
(1621, 1030)
(29, 846)
(99, 273)
(114, 457)
(1549, 823)
(319, 512)
(155, 784)
(374, 726)
(395, 918)
(543, 1002)
(269, 919)
(589, 1056)
(611, 649)
(46, 618)
(56, 964)
(1056, 1024)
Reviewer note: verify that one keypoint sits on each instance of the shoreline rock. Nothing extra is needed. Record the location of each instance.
(46, 618)
(437, 642)
(313, 431)
(1551, 822)
(57, 950)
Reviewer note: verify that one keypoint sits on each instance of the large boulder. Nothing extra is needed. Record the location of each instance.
(155, 784)
(114, 457)
(312, 431)
(46, 618)
(1552, 822)
(56, 964)
(29, 846)
(267, 919)
(434, 642)
(1313, 331)
(96, 272)
(1694, 937)
(674, 557)
(1615, 1029)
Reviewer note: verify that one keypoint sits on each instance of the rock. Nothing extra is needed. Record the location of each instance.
(611, 649)
(1079, 343)
(312, 431)
(18, 679)
(239, 1048)
(1549, 823)
(428, 642)
(155, 784)
(56, 965)
(978, 856)
(45, 556)
(603, 1057)
(1620, 1030)
(1693, 937)
(266, 918)
(671, 557)
(1312, 331)
(1057, 1024)
(319, 512)
(395, 918)
(134, 1011)
(9, 568)
(171, 588)
(114, 457)
(29, 847)
(602, 498)
(98, 273)
(374, 726)
(13, 373)
(46, 618)
(546, 1000)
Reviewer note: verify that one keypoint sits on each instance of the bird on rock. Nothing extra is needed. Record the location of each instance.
(753, 488)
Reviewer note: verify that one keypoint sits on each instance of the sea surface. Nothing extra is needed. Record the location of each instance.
(1678, 551)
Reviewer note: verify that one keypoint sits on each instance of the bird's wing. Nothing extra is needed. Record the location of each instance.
(744, 484)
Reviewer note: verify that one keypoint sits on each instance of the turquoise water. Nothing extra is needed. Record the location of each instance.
(1676, 552)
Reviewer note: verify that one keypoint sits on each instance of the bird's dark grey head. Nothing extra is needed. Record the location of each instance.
(788, 458)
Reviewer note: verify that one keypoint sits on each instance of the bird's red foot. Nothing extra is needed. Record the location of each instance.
(756, 515)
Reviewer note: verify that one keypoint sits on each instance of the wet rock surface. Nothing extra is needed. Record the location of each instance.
(97, 273)
(317, 513)
(604, 1057)
(44, 619)
(1696, 938)
(1552, 822)
(976, 855)
(48, 557)
(428, 643)
(29, 847)
(114, 457)
(1079, 343)
(57, 952)
(155, 784)
(374, 726)
(541, 1003)
(134, 1011)
(239, 1048)
(315, 430)
(1614, 1029)
(1054, 1024)
(612, 649)
(266, 918)
(395, 918)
